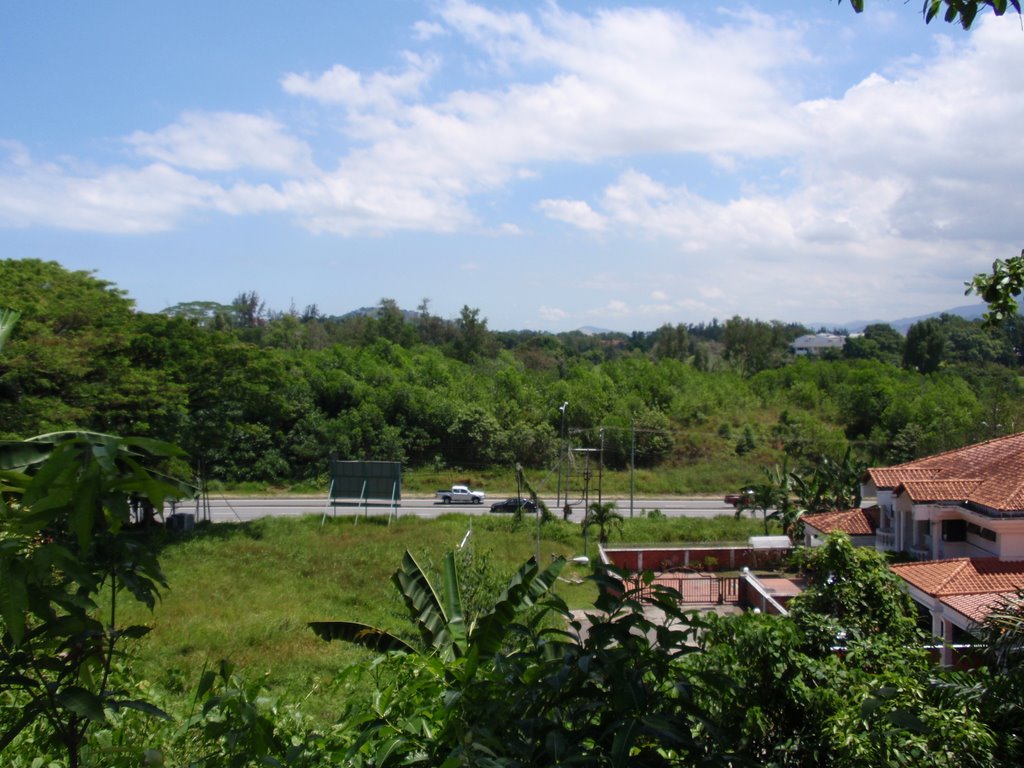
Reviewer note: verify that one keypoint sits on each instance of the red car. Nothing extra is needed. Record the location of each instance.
(736, 499)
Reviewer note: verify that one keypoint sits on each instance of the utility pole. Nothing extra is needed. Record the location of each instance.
(562, 451)
(586, 504)
(632, 461)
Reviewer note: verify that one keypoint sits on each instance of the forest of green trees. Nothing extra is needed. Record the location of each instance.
(268, 396)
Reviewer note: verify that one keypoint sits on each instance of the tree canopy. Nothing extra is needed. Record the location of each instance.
(271, 400)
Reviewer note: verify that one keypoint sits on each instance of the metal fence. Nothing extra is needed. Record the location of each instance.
(693, 589)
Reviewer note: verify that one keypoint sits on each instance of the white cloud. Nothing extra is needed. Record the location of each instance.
(575, 212)
(358, 198)
(116, 200)
(552, 314)
(380, 91)
(427, 30)
(224, 141)
(906, 180)
(621, 82)
(901, 175)
(614, 308)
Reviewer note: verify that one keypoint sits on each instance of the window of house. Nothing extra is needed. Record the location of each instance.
(986, 533)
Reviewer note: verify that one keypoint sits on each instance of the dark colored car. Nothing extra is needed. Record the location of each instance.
(738, 499)
(511, 505)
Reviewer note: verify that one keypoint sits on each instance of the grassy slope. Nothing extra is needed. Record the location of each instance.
(246, 592)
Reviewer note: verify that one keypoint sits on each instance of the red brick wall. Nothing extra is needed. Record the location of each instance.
(709, 558)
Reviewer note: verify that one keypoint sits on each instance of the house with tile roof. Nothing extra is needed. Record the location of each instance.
(959, 593)
(961, 515)
(859, 524)
(963, 503)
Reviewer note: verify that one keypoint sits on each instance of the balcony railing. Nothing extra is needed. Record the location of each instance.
(920, 552)
(885, 539)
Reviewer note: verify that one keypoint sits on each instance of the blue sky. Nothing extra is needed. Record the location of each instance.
(556, 165)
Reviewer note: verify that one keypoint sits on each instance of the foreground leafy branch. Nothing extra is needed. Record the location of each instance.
(1000, 289)
(963, 12)
(65, 538)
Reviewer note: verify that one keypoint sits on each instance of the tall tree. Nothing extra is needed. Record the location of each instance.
(926, 346)
(753, 345)
(472, 339)
(880, 341)
(249, 309)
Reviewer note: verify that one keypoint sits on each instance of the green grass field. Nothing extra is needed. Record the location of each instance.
(245, 592)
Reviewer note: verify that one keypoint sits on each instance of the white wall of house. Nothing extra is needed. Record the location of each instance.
(1011, 543)
(917, 528)
(815, 538)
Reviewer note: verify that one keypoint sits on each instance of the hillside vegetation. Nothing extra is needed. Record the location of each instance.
(264, 397)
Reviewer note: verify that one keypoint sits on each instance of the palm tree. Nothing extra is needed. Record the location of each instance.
(763, 498)
(604, 516)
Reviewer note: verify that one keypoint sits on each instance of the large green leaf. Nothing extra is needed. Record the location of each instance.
(21, 454)
(374, 638)
(424, 606)
(82, 702)
(453, 605)
(524, 589)
(139, 706)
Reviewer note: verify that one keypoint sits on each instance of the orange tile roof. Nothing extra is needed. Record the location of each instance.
(976, 607)
(855, 522)
(993, 469)
(893, 477)
(922, 491)
(963, 576)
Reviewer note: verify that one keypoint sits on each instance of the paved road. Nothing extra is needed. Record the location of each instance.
(224, 509)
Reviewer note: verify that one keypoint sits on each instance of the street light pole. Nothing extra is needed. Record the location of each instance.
(632, 462)
(561, 458)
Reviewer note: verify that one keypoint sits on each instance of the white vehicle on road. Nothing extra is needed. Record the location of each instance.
(460, 494)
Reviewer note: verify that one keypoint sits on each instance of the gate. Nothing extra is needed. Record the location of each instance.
(693, 588)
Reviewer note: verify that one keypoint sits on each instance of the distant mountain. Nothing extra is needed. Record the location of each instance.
(968, 312)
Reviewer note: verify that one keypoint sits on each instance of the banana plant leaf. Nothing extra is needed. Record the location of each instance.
(374, 638)
(441, 631)
(20, 455)
(524, 589)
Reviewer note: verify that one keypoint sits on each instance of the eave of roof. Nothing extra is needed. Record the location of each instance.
(963, 576)
(925, 491)
(855, 522)
(976, 608)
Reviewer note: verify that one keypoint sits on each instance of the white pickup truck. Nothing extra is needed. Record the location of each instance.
(460, 494)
